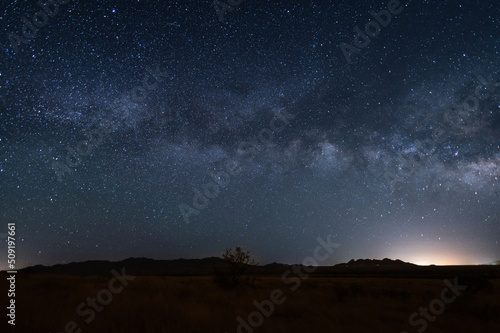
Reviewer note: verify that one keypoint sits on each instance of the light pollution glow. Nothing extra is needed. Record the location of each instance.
(432, 253)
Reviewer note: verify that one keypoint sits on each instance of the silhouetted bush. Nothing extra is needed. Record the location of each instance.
(238, 264)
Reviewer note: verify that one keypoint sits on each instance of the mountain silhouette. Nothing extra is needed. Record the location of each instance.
(208, 266)
(375, 263)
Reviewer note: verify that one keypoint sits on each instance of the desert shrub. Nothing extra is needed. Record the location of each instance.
(238, 263)
(222, 278)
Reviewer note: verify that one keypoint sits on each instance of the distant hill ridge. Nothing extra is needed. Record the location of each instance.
(375, 263)
(205, 266)
(133, 266)
(208, 266)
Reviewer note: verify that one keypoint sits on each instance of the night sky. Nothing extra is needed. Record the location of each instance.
(166, 129)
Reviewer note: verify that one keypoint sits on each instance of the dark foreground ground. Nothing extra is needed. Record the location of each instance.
(63, 303)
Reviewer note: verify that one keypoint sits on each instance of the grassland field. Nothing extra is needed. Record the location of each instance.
(152, 304)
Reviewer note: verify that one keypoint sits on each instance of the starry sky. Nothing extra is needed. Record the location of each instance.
(176, 129)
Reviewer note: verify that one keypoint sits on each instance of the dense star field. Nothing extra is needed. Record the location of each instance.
(169, 129)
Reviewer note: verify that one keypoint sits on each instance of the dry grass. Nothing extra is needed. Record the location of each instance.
(197, 304)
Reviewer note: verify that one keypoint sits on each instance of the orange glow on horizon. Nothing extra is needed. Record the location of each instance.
(426, 253)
